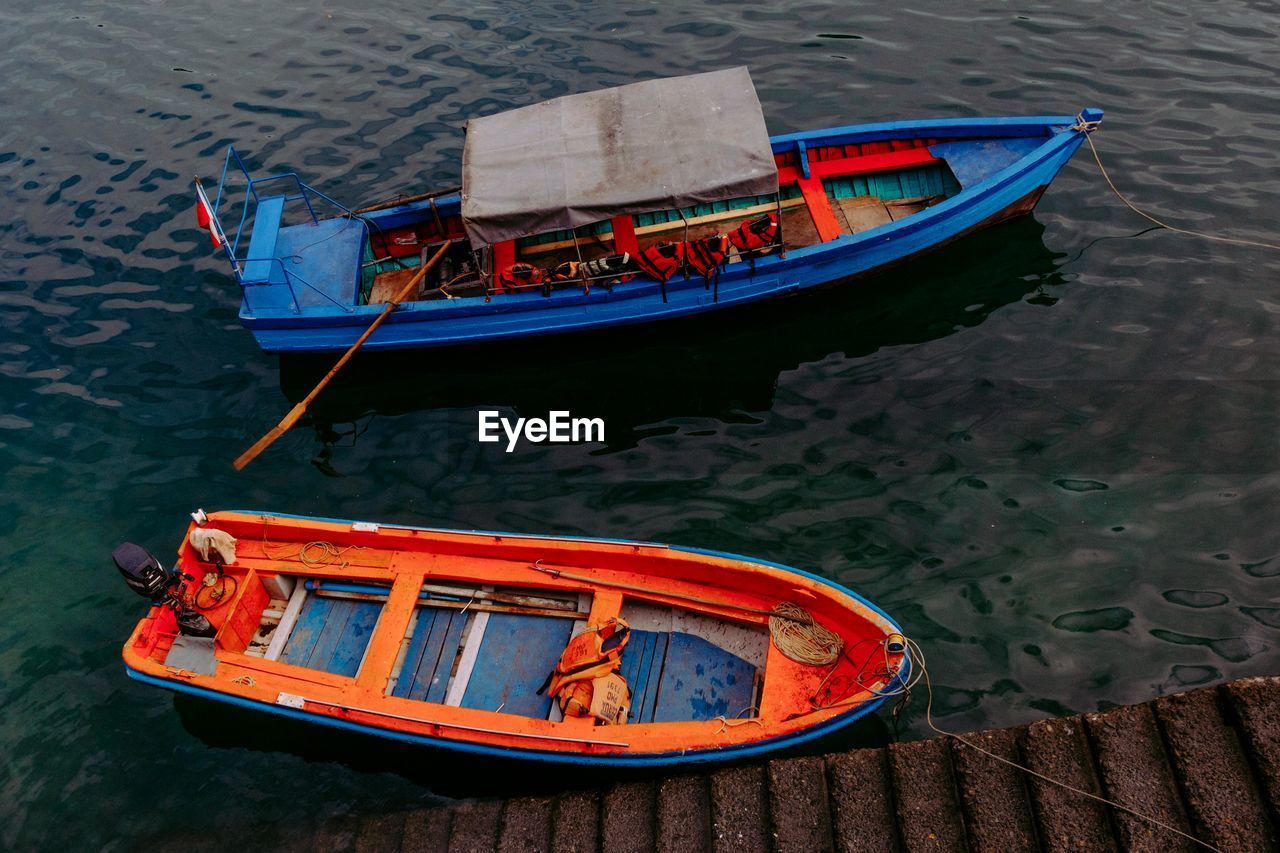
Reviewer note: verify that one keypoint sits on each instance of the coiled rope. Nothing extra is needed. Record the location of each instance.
(1087, 128)
(313, 554)
(802, 639)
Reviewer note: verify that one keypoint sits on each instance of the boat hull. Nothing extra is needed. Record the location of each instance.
(791, 703)
(1007, 193)
(779, 745)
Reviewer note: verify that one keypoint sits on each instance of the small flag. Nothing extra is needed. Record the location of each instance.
(206, 219)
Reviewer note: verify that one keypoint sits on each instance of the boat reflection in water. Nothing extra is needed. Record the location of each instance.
(720, 366)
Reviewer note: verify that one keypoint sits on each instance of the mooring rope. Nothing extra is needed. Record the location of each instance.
(1087, 128)
(917, 659)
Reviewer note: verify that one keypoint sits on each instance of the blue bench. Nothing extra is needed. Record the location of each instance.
(262, 243)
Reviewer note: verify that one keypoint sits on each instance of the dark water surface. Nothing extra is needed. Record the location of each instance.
(1049, 451)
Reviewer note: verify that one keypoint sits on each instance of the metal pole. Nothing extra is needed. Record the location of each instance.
(684, 254)
(782, 247)
(586, 287)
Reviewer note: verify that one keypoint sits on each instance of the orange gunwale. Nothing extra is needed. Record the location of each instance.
(404, 558)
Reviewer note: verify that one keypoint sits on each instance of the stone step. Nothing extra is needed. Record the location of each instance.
(1206, 763)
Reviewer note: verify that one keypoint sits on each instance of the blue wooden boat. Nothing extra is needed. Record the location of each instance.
(848, 201)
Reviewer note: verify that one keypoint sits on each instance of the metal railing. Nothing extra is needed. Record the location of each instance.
(250, 200)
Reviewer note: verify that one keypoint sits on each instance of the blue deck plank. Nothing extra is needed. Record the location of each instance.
(630, 669)
(413, 655)
(346, 657)
(639, 653)
(331, 634)
(306, 631)
(441, 631)
(425, 674)
(335, 627)
(701, 681)
(514, 658)
(645, 654)
(657, 663)
(448, 654)
(972, 161)
(328, 256)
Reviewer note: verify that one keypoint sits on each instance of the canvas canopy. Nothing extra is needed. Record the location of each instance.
(647, 146)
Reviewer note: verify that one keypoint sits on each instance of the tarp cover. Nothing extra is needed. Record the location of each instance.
(647, 146)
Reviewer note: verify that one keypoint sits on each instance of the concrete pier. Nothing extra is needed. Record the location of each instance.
(1206, 762)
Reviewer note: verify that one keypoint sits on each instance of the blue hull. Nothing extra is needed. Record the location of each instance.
(986, 197)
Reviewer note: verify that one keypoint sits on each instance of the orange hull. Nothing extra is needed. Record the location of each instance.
(436, 637)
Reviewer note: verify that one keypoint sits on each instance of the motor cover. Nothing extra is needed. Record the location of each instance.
(142, 572)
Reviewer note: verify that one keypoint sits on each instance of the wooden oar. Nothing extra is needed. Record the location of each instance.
(297, 411)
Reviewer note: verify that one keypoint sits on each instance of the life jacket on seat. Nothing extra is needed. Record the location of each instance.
(707, 255)
(661, 260)
(755, 236)
(567, 271)
(611, 269)
(586, 681)
(519, 277)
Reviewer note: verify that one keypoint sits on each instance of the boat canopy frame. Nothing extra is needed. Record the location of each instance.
(654, 145)
(231, 244)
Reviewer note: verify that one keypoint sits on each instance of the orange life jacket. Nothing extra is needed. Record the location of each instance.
(708, 254)
(519, 277)
(568, 271)
(756, 236)
(591, 660)
(661, 260)
(606, 697)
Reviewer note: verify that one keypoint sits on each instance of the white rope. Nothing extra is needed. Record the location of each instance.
(917, 658)
(800, 638)
(1087, 128)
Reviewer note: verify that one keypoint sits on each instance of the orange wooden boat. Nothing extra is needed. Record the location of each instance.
(447, 638)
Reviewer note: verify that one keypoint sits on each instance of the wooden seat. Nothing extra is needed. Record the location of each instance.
(262, 242)
(387, 284)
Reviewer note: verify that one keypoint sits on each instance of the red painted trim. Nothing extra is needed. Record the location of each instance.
(824, 218)
(504, 255)
(865, 164)
(815, 194)
(624, 235)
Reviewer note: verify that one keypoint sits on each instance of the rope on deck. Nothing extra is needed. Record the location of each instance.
(799, 636)
(1087, 128)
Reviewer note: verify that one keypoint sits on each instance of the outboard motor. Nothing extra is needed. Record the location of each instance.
(143, 572)
(145, 576)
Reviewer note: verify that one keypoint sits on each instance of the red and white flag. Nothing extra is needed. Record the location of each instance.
(206, 219)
